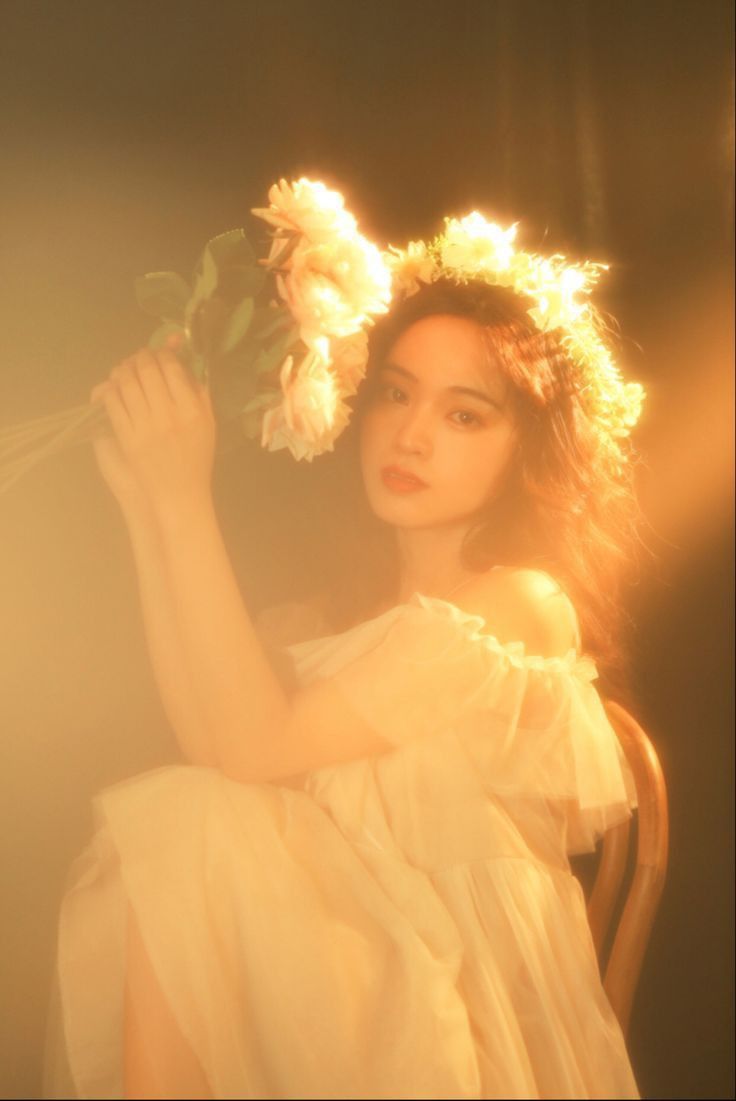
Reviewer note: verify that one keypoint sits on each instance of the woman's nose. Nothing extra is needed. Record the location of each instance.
(414, 433)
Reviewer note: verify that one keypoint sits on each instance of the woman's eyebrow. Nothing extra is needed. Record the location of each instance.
(450, 389)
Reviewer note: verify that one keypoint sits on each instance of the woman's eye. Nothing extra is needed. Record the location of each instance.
(388, 390)
(472, 417)
(394, 394)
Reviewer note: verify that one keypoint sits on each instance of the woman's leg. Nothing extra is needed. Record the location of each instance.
(158, 1061)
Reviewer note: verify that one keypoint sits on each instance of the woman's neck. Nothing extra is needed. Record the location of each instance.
(429, 560)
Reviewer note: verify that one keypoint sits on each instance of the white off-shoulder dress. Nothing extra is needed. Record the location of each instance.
(405, 925)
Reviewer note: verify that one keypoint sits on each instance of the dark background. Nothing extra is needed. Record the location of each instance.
(131, 132)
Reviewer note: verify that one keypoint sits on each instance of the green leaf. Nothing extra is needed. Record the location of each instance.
(231, 248)
(272, 357)
(198, 367)
(162, 294)
(207, 274)
(241, 281)
(229, 263)
(208, 324)
(271, 320)
(205, 282)
(233, 385)
(237, 326)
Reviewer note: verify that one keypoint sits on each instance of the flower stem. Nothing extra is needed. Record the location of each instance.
(45, 436)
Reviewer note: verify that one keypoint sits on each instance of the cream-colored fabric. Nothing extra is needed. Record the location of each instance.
(406, 925)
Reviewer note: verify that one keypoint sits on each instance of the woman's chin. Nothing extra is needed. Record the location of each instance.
(403, 512)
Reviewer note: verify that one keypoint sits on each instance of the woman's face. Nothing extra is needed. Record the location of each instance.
(421, 418)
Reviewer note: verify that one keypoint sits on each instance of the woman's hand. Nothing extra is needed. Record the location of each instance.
(160, 455)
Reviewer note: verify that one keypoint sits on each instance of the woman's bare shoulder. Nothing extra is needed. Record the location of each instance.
(292, 621)
(521, 603)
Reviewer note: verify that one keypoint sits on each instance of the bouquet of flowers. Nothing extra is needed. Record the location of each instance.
(280, 340)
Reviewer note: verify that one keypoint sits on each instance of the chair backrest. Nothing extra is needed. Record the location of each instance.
(634, 926)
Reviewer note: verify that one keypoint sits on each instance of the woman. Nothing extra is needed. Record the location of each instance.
(363, 888)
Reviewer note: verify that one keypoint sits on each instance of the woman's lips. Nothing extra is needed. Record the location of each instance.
(399, 483)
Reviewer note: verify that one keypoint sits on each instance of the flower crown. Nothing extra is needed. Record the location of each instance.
(283, 339)
(333, 281)
(474, 249)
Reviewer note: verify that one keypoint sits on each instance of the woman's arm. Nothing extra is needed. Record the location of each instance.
(159, 615)
(215, 681)
(255, 732)
(204, 646)
(241, 705)
(163, 640)
(292, 621)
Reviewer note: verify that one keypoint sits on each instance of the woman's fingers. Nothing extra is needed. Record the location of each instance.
(153, 384)
(124, 378)
(165, 383)
(184, 389)
(174, 341)
(163, 428)
(97, 397)
(150, 394)
(109, 394)
(144, 392)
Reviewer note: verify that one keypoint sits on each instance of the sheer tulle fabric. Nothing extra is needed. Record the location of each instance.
(527, 726)
(405, 926)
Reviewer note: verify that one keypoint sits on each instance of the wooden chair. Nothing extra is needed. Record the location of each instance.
(638, 906)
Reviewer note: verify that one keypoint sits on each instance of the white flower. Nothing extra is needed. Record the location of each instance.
(410, 267)
(333, 288)
(311, 414)
(555, 291)
(349, 355)
(279, 244)
(309, 208)
(473, 246)
(473, 249)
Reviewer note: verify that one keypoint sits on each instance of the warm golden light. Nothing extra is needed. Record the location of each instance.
(472, 248)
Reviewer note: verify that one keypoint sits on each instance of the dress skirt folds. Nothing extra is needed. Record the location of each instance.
(400, 926)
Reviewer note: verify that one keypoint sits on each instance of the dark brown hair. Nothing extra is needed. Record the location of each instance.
(564, 507)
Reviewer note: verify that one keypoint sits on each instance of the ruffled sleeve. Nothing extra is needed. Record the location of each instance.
(533, 727)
